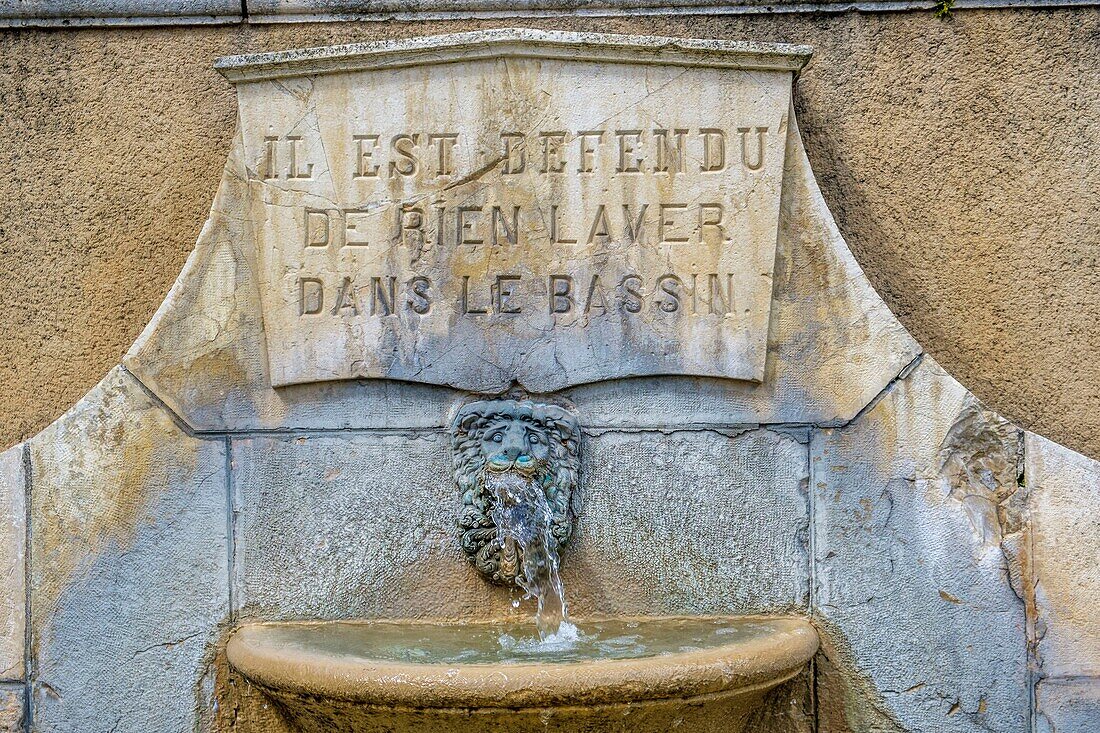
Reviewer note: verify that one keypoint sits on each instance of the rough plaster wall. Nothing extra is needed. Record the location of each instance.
(960, 158)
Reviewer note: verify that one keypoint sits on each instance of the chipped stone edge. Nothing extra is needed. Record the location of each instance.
(127, 21)
(1034, 444)
(515, 43)
(307, 11)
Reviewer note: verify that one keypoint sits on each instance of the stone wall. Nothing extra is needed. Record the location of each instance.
(945, 555)
(959, 157)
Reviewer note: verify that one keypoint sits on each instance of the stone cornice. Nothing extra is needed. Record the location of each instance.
(516, 43)
(124, 13)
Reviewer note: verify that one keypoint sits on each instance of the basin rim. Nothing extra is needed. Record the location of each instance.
(745, 664)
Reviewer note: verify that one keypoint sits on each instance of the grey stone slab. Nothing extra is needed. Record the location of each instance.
(1067, 705)
(516, 43)
(291, 11)
(339, 526)
(129, 565)
(351, 526)
(13, 575)
(1064, 504)
(93, 13)
(367, 7)
(917, 511)
(690, 522)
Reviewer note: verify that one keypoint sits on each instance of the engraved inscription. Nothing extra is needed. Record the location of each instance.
(693, 294)
(498, 226)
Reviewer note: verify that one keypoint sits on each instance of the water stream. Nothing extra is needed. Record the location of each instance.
(523, 517)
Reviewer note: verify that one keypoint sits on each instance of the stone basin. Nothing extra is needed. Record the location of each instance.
(637, 675)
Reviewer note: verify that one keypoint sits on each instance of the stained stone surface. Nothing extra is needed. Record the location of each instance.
(914, 503)
(1065, 522)
(1067, 705)
(691, 523)
(351, 526)
(525, 209)
(12, 708)
(833, 344)
(129, 564)
(13, 540)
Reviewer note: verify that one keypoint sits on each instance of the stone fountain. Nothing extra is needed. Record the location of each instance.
(521, 380)
(538, 217)
(516, 465)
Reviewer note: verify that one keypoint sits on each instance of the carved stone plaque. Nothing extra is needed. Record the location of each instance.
(516, 206)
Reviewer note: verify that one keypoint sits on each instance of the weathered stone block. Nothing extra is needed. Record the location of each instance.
(13, 571)
(916, 507)
(12, 708)
(129, 565)
(691, 522)
(1068, 705)
(566, 240)
(67, 14)
(363, 526)
(347, 526)
(1064, 505)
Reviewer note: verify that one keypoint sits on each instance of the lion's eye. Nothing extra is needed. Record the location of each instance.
(533, 439)
(497, 437)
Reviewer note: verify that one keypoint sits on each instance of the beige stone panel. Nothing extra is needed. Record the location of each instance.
(13, 541)
(832, 345)
(1065, 527)
(394, 185)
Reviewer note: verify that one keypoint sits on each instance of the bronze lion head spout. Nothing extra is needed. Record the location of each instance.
(514, 461)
